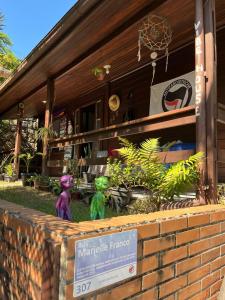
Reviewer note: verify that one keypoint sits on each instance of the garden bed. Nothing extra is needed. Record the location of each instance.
(44, 201)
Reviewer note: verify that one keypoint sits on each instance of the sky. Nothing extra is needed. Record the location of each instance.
(28, 21)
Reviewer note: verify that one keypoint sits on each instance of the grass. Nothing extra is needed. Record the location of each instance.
(43, 201)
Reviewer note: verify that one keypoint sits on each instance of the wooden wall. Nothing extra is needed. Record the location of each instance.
(134, 93)
(221, 99)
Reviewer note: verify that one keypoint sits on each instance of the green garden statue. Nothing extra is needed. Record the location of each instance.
(97, 210)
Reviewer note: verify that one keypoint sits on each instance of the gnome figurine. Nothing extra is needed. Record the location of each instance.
(63, 201)
(97, 210)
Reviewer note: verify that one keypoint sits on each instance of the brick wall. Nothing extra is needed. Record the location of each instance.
(27, 254)
(181, 254)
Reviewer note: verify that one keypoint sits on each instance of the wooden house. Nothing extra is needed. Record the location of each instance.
(56, 83)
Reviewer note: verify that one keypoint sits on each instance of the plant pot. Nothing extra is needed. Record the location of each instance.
(43, 187)
(36, 184)
(8, 178)
(25, 177)
(100, 76)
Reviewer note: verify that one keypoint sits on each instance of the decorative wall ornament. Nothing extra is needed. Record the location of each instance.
(114, 103)
(100, 72)
(155, 33)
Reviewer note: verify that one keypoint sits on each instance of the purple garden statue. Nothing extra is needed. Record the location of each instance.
(63, 201)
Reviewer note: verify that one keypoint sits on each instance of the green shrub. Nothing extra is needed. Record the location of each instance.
(141, 167)
(9, 170)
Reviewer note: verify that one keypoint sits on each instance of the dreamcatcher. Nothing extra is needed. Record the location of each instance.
(155, 33)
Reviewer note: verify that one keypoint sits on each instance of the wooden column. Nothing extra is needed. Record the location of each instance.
(48, 120)
(200, 96)
(18, 142)
(211, 97)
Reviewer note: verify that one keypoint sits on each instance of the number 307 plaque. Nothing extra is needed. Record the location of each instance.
(104, 260)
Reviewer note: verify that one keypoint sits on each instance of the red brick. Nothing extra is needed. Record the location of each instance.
(201, 296)
(209, 230)
(70, 270)
(217, 216)
(148, 230)
(189, 291)
(172, 285)
(198, 273)
(217, 240)
(217, 263)
(198, 220)
(158, 244)
(173, 225)
(199, 246)
(170, 297)
(215, 288)
(157, 277)
(147, 264)
(188, 264)
(222, 226)
(210, 279)
(187, 236)
(149, 294)
(173, 255)
(210, 255)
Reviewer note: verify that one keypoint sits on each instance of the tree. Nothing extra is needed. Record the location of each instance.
(8, 60)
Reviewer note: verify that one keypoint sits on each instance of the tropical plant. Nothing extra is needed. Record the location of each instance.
(9, 170)
(8, 60)
(73, 168)
(43, 133)
(141, 167)
(27, 158)
(96, 71)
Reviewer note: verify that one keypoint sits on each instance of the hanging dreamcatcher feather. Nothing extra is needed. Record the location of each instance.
(155, 33)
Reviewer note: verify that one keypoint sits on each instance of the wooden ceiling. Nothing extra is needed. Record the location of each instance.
(107, 34)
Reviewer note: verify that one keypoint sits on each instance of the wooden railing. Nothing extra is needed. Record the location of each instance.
(164, 157)
(175, 118)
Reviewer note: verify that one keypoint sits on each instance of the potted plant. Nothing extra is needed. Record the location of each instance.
(27, 158)
(41, 182)
(141, 167)
(9, 175)
(43, 134)
(99, 73)
(35, 179)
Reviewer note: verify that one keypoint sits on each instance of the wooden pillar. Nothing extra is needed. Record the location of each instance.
(18, 142)
(48, 120)
(200, 96)
(211, 97)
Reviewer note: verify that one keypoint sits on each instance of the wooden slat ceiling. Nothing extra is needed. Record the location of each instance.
(104, 33)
